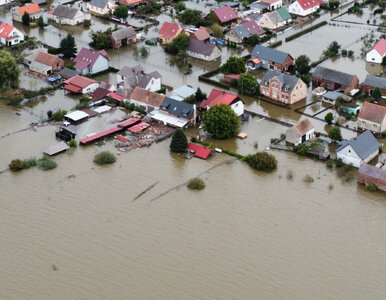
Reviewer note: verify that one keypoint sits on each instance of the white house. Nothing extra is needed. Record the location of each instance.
(217, 97)
(272, 4)
(101, 7)
(301, 132)
(10, 35)
(67, 15)
(80, 84)
(32, 9)
(203, 50)
(130, 78)
(377, 52)
(4, 2)
(304, 8)
(89, 61)
(358, 150)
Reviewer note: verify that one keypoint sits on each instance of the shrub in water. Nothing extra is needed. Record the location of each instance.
(262, 161)
(105, 157)
(371, 187)
(16, 165)
(29, 162)
(330, 164)
(46, 163)
(72, 143)
(196, 184)
(308, 179)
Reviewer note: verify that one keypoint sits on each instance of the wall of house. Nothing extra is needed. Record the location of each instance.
(146, 106)
(90, 88)
(40, 68)
(299, 92)
(366, 179)
(368, 89)
(216, 53)
(238, 108)
(17, 17)
(14, 32)
(98, 10)
(349, 157)
(100, 65)
(266, 22)
(374, 57)
(296, 9)
(372, 126)
(154, 84)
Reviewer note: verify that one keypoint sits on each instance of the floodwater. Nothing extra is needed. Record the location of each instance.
(76, 232)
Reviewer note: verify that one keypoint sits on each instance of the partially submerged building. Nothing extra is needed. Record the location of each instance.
(301, 132)
(369, 174)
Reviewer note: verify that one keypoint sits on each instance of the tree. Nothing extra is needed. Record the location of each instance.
(220, 121)
(9, 71)
(217, 30)
(101, 39)
(200, 95)
(384, 61)
(248, 85)
(178, 44)
(179, 141)
(305, 78)
(335, 134)
(26, 19)
(333, 4)
(376, 94)
(234, 65)
(262, 161)
(329, 118)
(180, 6)
(253, 40)
(67, 46)
(41, 22)
(191, 17)
(302, 64)
(121, 11)
(333, 48)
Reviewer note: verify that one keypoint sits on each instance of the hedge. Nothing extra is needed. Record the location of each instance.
(300, 33)
(276, 44)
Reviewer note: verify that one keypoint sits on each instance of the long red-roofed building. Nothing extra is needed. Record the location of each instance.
(217, 97)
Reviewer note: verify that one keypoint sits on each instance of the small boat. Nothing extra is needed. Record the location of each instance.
(319, 91)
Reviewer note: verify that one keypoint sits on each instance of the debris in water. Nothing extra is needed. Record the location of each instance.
(54, 267)
(145, 191)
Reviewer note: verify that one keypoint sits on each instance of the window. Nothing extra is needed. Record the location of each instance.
(375, 126)
(363, 123)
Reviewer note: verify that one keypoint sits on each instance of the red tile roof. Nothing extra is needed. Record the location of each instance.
(121, 138)
(253, 27)
(147, 97)
(87, 58)
(129, 123)
(5, 30)
(131, 2)
(72, 88)
(201, 34)
(116, 96)
(200, 151)
(380, 47)
(217, 97)
(47, 59)
(225, 14)
(80, 81)
(99, 135)
(31, 9)
(139, 127)
(306, 4)
(372, 112)
(169, 30)
(304, 126)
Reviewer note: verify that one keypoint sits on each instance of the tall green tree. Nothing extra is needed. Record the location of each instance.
(234, 65)
(334, 47)
(67, 46)
(9, 70)
(376, 94)
(335, 134)
(41, 22)
(217, 30)
(253, 40)
(329, 118)
(26, 19)
(179, 142)
(121, 11)
(178, 45)
(220, 121)
(302, 64)
(200, 95)
(101, 39)
(191, 17)
(248, 85)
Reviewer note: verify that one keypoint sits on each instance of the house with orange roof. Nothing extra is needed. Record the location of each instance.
(201, 34)
(372, 117)
(217, 97)
(169, 31)
(10, 35)
(304, 8)
(377, 52)
(32, 9)
(301, 132)
(146, 99)
(80, 84)
(44, 63)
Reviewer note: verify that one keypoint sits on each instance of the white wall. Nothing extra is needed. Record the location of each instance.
(100, 65)
(374, 56)
(349, 157)
(238, 108)
(154, 84)
(90, 88)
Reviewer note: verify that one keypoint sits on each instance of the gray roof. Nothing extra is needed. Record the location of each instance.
(178, 108)
(269, 54)
(39, 2)
(332, 95)
(341, 78)
(372, 171)
(274, 17)
(182, 92)
(127, 71)
(241, 31)
(99, 3)
(200, 47)
(136, 76)
(56, 148)
(288, 81)
(123, 33)
(363, 145)
(65, 12)
(256, 17)
(375, 81)
(258, 5)
(231, 4)
(68, 73)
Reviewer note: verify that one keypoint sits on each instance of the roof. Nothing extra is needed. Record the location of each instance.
(87, 58)
(80, 81)
(182, 92)
(304, 126)
(200, 151)
(115, 96)
(68, 73)
(255, 60)
(147, 97)
(363, 145)
(169, 30)
(136, 76)
(127, 71)
(168, 118)
(284, 14)
(76, 115)
(288, 81)
(200, 47)
(139, 127)
(341, 78)
(253, 27)
(230, 3)
(47, 58)
(269, 54)
(129, 123)
(123, 33)
(201, 34)
(99, 135)
(31, 9)
(225, 14)
(332, 95)
(217, 97)
(131, 3)
(99, 94)
(177, 108)
(375, 81)
(56, 148)
(274, 17)
(99, 3)
(65, 12)
(372, 112)
(72, 88)
(257, 5)
(241, 31)
(306, 4)
(373, 172)
(5, 29)
(380, 47)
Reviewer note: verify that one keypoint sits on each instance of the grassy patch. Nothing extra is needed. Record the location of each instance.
(104, 158)
(196, 184)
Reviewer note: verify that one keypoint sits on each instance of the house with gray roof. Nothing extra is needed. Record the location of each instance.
(270, 59)
(370, 174)
(123, 37)
(101, 7)
(66, 15)
(243, 31)
(182, 92)
(129, 78)
(371, 82)
(203, 50)
(358, 150)
(334, 80)
(283, 87)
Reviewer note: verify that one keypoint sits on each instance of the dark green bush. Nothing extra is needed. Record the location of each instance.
(46, 163)
(196, 184)
(105, 157)
(16, 165)
(371, 187)
(29, 162)
(262, 161)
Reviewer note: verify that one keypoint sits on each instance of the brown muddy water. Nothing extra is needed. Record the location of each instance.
(76, 233)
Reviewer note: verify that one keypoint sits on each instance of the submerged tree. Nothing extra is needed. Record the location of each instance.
(221, 121)
(179, 141)
(121, 11)
(9, 71)
(376, 94)
(234, 65)
(248, 85)
(335, 134)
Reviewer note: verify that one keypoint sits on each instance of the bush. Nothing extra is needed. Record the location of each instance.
(330, 164)
(179, 142)
(262, 161)
(73, 143)
(308, 179)
(335, 134)
(196, 184)
(16, 165)
(29, 162)
(46, 163)
(301, 149)
(234, 65)
(371, 187)
(344, 52)
(105, 157)
(329, 118)
(339, 163)
(59, 115)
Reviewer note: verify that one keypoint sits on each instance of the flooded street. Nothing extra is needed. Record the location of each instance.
(76, 232)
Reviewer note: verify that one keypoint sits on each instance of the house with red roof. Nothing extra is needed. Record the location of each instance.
(33, 10)
(223, 15)
(217, 97)
(377, 52)
(201, 34)
(372, 117)
(146, 99)
(44, 63)
(10, 35)
(200, 151)
(89, 61)
(169, 31)
(304, 8)
(132, 3)
(241, 32)
(80, 85)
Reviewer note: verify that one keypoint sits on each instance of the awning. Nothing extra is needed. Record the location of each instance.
(116, 96)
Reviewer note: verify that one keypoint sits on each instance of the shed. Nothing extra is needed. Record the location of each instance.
(76, 116)
(56, 148)
(200, 151)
